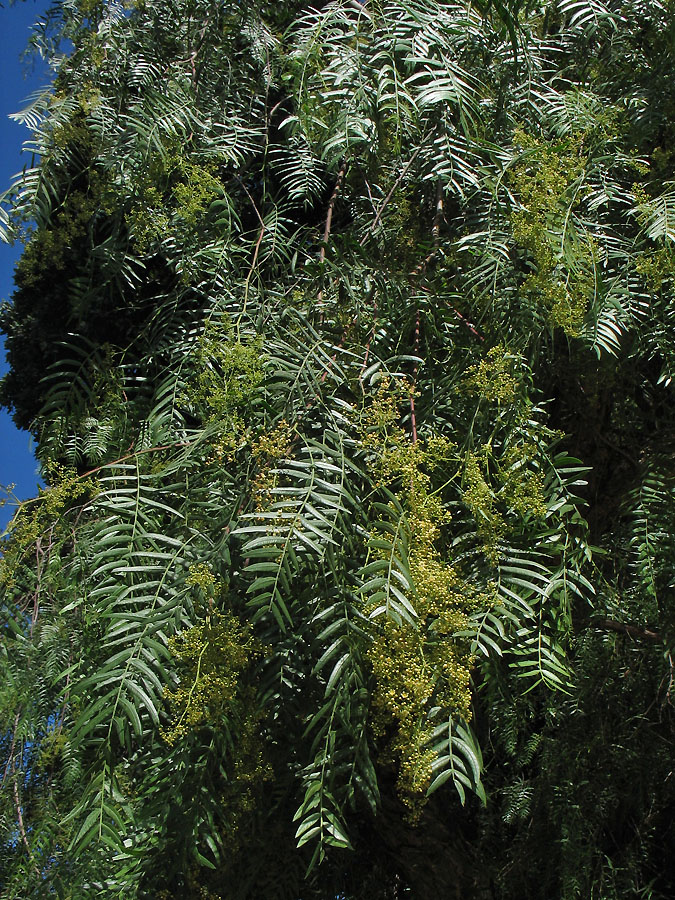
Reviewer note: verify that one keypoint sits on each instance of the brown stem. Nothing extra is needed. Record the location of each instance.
(370, 196)
(420, 268)
(22, 830)
(331, 207)
(472, 328)
(329, 221)
(253, 204)
(646, 634)
(195, 53)
(670, 677)
(435, 233)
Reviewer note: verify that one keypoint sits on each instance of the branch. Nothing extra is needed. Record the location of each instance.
(435, 234)
(255, 260)
(359, 7)
(463, 319)
(646, 634)
(331, 207)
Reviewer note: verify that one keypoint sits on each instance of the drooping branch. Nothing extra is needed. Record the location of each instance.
(122, 459)
(416, 347)
(391, 193)
(10, 755)
(22, 827)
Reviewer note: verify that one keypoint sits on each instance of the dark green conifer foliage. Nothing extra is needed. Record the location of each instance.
(346, 333)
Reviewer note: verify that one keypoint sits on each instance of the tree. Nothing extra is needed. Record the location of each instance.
(346, 336)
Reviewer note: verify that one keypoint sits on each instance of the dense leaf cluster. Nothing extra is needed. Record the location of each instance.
(346, 334)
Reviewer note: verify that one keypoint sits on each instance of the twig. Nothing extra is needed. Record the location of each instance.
(370, 195)
(275, 108)
(193, 55)
(413, 419)
(138, 453)
(253, 263)
(435, 232)
(420, 268)
(670, 679)
(368, 343)
(248, 279)
(438, 215)
(255, 253)
(386, 200)
(39, 564)
(248, 194)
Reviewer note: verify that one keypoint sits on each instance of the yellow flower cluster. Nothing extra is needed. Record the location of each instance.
(656, 268)
(212, 656)
(172, 192)
(228, 372)
(200, 575)
(423, 665)
(379, 420)
(420, 666)
(523, 488)
(480, 499)
(492, 378)
(47, 512)
(542, 178)
(268, 450)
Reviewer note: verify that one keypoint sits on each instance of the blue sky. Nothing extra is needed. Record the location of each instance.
(19, 80)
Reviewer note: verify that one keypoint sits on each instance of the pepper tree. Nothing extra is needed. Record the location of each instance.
(346, 336)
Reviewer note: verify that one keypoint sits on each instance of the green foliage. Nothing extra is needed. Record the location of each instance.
(345, 333)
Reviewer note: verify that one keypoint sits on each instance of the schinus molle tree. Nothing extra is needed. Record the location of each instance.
(346, 335)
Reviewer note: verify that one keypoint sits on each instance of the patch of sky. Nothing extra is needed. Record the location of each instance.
(23, 74)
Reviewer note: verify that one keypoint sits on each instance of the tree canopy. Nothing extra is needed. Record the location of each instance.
(346, 335)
